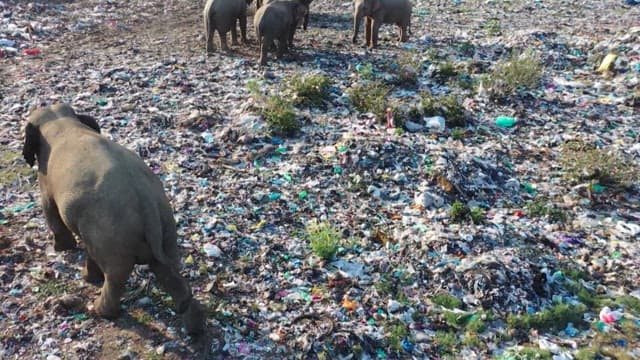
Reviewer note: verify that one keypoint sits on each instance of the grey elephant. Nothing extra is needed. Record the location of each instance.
(277, 21)
(378, 12)
(108, 197)
(306, 3)
(222, 16)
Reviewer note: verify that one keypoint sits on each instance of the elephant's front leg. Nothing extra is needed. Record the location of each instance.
(264, 45)
(116, 273)
(306, 22)
(374, 32)
(186, 306)
(234, 33)
(357, 19)
(282, 46)
(403, 33)
(243, 28)
(92, 272)
(367, 30)
(62, 236)
(223, 39)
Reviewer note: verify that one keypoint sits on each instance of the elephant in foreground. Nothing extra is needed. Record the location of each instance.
(277, 20)
(306, 3)
(378, 12)
(222, 16)
(107, 196)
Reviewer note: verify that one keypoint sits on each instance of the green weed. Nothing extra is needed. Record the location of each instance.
(446, 300)
(370, 97)
(492, 27)
(395, 334)
(311, 90)
(324, 239)
(555, 317)
(520, 72)
(446, 341)
(582, 162)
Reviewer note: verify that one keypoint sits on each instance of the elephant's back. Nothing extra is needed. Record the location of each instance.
(226, 11)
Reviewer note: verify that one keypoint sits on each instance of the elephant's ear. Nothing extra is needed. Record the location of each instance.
(89, 121)
(31, 144)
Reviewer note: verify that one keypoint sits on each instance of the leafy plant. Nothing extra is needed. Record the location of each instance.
(446, 106)
(540, 207)
(278, 112)
(555, 317)
(370, 97)
(492, 27)
(445, 340)
(446, 70)
(446, 300)
(582, 162)
(311, 90)
(396, 332)
(408, 68)
(324, 239)
(521, 71)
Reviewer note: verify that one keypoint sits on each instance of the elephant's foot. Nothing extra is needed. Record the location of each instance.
(106, 308)
(193, 318)
(64, 242)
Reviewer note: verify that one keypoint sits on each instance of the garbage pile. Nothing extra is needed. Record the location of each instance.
(482, 203)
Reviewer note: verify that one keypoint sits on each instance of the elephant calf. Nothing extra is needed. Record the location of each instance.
(221, 16)
(306, 3)
(108, 197)
(378, 12)
(277, 20)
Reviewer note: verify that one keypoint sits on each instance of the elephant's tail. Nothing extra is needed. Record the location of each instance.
(158, 236)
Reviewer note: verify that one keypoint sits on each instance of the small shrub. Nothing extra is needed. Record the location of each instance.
(365, 72)
(471, 339)
(408, 69)
(477, 215)
(311, 90)
(324, 239)
(458, 133)
(519, 72)
(446, 106)
(370, 97)
(446, 70)
(459, 211)
(529, 353)
(492, 27)
(446, 340)
(395, 334)
(553, 318)
(278, 112)
(52, 287)
(280, 115)
(581, 162)
(446, 300)
(541, 208)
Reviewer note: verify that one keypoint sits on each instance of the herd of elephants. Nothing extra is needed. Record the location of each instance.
(277, 20)
(99, 192)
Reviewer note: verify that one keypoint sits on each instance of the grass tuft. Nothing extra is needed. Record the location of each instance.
(324, 239)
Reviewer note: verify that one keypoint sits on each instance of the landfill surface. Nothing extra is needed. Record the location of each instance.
(510, 234)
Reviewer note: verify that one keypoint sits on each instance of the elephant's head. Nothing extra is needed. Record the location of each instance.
(301, 11)
(41, 116)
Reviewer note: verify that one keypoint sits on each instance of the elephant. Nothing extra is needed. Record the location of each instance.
(107, 196)
(306, 3)
(222, 16)
(378, 12)
(277, 20)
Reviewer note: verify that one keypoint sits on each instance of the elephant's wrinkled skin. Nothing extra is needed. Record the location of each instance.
(306, 3)
(222, 16)
(277, 21)
(108, 197)
(378, 12)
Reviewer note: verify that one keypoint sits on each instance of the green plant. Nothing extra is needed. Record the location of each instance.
(466, 48)
(458, 133)
(521, 71)
(408, 68)
(142, 317)
(476, 214)
(324, 239)
(311, 90)
(586, 354)
(492, 27)
(582, 162)
(458, 211)
(446, 70)
(53, 287)
(445, 340)
(280, 115)
(447, 106)
(370, 97)
(278, 112)
(396, 332)
(365, 72)
(529, 353)
(555, 317)
(446, 300)
(471, 339)
(541, 208)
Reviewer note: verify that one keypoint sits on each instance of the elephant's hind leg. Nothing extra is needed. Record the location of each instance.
(186, 306)
(62, 236)
(92, 272)
(116, 273)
